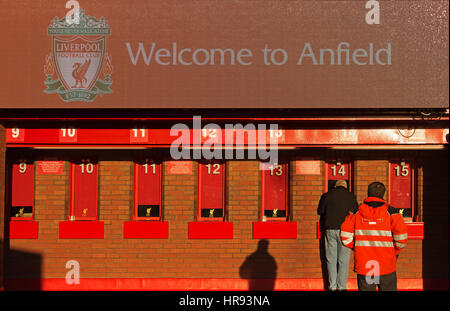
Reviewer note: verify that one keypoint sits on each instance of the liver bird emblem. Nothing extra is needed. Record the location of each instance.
(79, 73)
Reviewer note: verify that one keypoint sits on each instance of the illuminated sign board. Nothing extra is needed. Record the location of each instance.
(224, 54)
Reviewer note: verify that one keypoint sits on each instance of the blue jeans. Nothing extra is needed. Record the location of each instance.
(338, 257)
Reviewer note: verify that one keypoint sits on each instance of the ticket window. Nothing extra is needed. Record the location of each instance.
(84, 190)
(275, 192)
(147, 190)
(211, 191)
(22, 190)
(402, 176)
(338, 170)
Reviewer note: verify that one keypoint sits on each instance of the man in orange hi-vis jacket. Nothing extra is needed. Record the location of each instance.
(376, 233)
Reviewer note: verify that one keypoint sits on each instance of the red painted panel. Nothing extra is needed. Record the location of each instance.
(179, 167)
(211, 189)
(416, 230)
(81, 230)
(210, 230)
(139, 135)
(274, 199)
(161, 136)
(23, 229)
(146, 230)
(84, 190)
(307, 167)
(338, 171)
(68, 135)
(50, 167)
(41, 135)
(401, 185)
(196, 284)
(104, 136)
(15, 135)
(275, 230)
(238, 136)
(22, 183)
(148, 183)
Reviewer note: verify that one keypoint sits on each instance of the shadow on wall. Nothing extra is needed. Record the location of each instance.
(435, 247)
(260, 269)
(21, 270)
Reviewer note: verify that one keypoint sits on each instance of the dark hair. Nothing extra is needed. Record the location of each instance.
(376, 189)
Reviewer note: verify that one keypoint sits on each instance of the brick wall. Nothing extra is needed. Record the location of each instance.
(179, 257)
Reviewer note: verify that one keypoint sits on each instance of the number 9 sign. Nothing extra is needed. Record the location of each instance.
(15, 135)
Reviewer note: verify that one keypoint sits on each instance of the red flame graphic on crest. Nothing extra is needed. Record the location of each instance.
(48, 68)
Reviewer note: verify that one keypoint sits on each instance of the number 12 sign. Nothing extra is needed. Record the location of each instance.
(211, 191)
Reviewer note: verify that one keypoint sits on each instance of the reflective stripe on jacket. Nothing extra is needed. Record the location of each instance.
(376, 237)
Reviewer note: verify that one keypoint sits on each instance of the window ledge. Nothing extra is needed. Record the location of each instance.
(210, 230)
(143, 229)
(23, 229)
(275, 230)
(87, 229)
(415, 230)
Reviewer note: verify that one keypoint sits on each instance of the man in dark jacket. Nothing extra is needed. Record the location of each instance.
(334, 206)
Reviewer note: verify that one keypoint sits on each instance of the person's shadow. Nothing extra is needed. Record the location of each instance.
(260, 269)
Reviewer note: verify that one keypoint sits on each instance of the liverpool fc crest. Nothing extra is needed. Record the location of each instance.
(78, 68)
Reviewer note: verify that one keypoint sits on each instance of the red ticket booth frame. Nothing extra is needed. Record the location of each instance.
(210, 227)
(274, 227)
(22, 187)
(147, 227)
(82, 227)
(138, 183)
(348, 170)
(21, 227)
(74, 196)
(264, 182)
(413, 185)
(200, 187)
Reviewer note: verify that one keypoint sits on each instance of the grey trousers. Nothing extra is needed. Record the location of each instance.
(338, 257)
